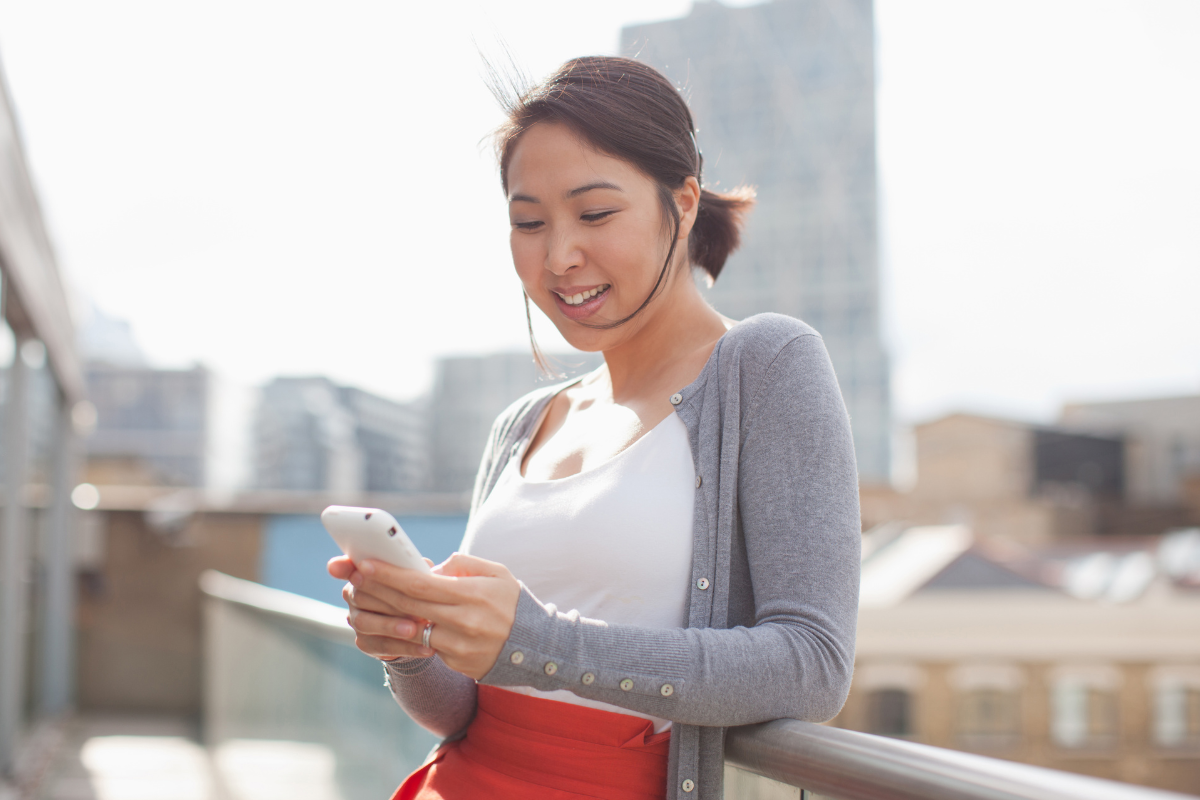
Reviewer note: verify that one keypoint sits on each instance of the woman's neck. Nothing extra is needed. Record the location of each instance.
(679, 322)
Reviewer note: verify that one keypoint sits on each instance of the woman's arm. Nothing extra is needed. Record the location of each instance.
(438, 699)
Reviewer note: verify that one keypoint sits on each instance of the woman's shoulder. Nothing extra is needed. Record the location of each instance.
(758, 340)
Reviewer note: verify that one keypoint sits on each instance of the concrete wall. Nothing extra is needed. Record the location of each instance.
(968, 458)
(139, 613)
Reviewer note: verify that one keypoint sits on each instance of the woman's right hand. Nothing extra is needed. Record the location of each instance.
(368, 613)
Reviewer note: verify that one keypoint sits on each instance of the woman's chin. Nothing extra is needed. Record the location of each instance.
(587, 341)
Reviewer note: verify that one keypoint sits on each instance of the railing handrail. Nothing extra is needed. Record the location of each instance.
(858, 766)
(320, 618)
(844, 764)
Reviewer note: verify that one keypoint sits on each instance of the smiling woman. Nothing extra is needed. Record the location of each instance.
(663, 548)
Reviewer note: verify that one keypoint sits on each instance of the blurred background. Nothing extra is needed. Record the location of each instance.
(255, 262)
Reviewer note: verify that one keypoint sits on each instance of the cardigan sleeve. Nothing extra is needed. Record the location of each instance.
(797, 503)
(437, 698)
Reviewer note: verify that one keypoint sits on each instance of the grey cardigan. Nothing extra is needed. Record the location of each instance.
(773, 600)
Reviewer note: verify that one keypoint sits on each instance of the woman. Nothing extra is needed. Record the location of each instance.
(659, 550)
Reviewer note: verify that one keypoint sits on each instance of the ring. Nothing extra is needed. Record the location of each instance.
(425, 634)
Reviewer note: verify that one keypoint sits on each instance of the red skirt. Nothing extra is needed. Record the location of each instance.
(537, 749)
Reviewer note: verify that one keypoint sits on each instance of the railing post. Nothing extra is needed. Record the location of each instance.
(56, 691)
(14, 558)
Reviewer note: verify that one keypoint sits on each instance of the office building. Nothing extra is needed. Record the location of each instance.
(151, 425)
(313, 435)
(783, 95)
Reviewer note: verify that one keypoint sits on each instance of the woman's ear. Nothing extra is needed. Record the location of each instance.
(687, 198)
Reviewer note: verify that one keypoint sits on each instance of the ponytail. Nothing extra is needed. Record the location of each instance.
(717, 231)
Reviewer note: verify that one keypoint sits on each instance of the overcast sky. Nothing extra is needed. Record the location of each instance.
(291, 187)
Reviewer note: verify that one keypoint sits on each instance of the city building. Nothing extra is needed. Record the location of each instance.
(469, 392)
(313, 435)
(783, 95)
(1163, 436)
(1084, 658)
(151, 425)
(1040, 484)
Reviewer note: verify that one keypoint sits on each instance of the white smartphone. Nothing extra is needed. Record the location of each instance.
(364, 533)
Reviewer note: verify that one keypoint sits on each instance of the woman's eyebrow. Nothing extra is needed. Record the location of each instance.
(525, 198)
(589, 187)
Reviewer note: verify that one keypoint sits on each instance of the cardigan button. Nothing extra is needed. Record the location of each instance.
(688, 785)
(588, 679)
(667, 690)
(550, 668)
(517, 657)
(676, 399)
(699, 481)
(702, 584)
(626, 685)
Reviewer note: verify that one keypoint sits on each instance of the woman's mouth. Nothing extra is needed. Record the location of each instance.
(583, 302)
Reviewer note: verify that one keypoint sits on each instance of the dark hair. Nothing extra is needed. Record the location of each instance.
(631, 111)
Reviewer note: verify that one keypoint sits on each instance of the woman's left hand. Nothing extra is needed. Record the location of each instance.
(470, 601)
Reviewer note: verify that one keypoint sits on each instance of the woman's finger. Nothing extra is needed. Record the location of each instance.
(385, 600)
(357, 597)
(428, 586)
(398, 605)
(372, 624)
(340, 567)
(461, 565)
(386, 648)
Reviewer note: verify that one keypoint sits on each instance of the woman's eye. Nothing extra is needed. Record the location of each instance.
(599, 215)
(527, 226)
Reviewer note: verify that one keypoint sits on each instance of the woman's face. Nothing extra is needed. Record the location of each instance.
(588, 235)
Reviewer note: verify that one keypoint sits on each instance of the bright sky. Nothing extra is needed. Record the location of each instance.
(297, 187)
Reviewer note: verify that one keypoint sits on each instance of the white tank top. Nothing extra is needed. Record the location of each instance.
(631, 516)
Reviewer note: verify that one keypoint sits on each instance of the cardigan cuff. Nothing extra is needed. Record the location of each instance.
(406, 666)
(533, 657)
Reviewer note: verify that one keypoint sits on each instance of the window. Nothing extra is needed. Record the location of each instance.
(1176, 697)
(1084, 716)
(988, 704)
(1177, 716)
(889, 712)
(989, 718)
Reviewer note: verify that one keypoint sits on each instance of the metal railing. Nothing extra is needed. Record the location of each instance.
(857, 766)
(286, 693)
(283, 667)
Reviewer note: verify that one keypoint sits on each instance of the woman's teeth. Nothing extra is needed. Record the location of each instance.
(576, 299)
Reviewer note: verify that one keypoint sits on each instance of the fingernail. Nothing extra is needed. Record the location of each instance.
(368, 568)
(405, 629)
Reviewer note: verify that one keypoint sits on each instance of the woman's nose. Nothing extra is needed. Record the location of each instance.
(562, 255)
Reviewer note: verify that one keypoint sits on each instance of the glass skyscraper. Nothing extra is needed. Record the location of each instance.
(784, 99)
